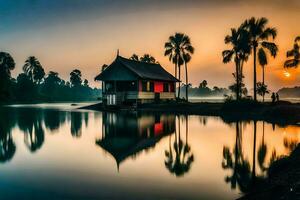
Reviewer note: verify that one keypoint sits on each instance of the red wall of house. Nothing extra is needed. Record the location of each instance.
(158, 86)
(158, 128)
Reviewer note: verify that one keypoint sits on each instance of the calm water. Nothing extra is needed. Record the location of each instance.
(57, 152)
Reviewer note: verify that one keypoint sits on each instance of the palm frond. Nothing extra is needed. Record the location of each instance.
(227, 56)
(262, 57)
(292, 63)
(269, 32)
(272, 47)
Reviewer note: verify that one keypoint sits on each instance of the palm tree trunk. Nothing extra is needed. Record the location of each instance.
(179, 80)
(179, 131)
(186, 82)
(263, 80)
(254, 73)
(175, 77)
(237, 81)
(175, 70)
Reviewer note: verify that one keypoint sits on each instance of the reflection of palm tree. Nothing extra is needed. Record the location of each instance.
(7, 145)
(262, 151)
(76, 123)
(290, 144)
(254, 151)
(35, 137)
(239, 166)
(54, 119)
(32, 127)
(180, 163)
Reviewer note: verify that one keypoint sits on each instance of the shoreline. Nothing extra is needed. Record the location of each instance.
(282, 112)
(282, 181)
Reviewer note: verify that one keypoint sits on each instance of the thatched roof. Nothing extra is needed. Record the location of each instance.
(142, 70)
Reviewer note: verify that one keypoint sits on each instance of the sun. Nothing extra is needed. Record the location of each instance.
(286, 74)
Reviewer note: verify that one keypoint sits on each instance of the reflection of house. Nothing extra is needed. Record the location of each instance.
(126, 135)
(127, 81)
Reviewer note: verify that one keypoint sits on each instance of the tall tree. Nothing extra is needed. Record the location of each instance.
(293, 55)
(52, 79)
(134, 57)
(188, 50)
(75, 78)
(34, 69)
(239, 53)
(259, 38)
(148, 58)
(263, 61)
(175, 48)
(7, 64)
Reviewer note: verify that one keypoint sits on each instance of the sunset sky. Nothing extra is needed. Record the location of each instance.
(84, 34)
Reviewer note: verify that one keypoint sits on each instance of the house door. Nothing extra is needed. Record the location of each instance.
(156, 96)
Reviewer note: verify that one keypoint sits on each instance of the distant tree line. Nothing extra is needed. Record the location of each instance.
(204, 91)
(33, 84)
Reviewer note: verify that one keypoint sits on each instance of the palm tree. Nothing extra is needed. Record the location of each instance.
(259, 36)
(176, 47)
(239, 52)
(294, 53)
(263, 60)
(148, 58)
(134, 57)
(187, 51)
(34, 69)
(262, 89)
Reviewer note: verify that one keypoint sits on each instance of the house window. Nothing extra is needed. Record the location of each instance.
(144, 86)
(147, 86)
(166, 87)
(172, 87)
(151, 87)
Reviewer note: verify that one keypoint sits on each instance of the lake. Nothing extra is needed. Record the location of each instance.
(55, 151)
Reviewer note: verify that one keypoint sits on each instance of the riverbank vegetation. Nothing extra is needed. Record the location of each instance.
(34, 85)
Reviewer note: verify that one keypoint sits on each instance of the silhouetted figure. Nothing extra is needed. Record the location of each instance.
(277, 97)
(273, 97)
